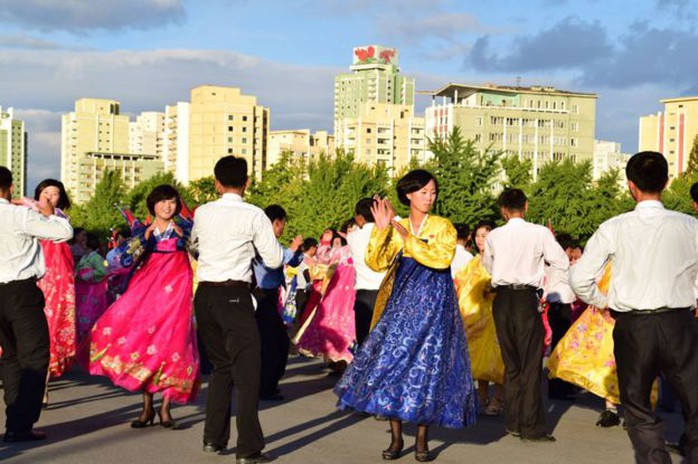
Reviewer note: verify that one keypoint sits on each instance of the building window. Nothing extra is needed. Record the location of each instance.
(573, 142)
(244, 140)
(230, 117)
(230, 128)
(575, 109)
(230, 140)
(244, 129)
(368, 130)
(244, 151)
(230, 151)
(244, 118)
(574, 126)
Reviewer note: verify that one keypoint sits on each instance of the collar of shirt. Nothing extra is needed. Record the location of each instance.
(231, 196)
(649, 204)
(515, 220)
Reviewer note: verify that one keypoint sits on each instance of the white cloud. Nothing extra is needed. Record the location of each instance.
(86, 15)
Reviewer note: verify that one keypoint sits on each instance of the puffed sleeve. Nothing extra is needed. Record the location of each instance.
(439, 252)
(383, 246)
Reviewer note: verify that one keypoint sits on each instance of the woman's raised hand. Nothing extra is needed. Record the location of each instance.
(381, 213)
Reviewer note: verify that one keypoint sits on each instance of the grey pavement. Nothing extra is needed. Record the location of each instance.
(88, 422)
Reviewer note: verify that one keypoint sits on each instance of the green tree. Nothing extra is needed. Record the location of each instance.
(282, 183)
(517, 172)
(202, 191)
(692, 167)
(99, 214)
(678, 195)
(467, 178)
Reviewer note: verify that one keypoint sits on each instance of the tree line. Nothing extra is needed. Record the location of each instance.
(321, 193)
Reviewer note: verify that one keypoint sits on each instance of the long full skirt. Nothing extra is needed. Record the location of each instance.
(58, 286)
(146, 340)
(414, 364)
(91, 302)
(330, 332)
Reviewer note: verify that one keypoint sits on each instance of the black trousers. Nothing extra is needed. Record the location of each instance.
(646, 345)
(521, 335)
(560, 320)
(274, 338)
(24, 339)
(363, 313)
(226, 320)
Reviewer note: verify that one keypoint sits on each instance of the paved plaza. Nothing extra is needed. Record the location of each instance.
(88, 422)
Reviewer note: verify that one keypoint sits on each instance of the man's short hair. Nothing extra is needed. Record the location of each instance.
(463, 231)
(565, 240)
(648, 170)
(231, 171)
(275, 212)
(694, 192)
(512, 199)
(308, 243)
(363, 209)
(5, 178)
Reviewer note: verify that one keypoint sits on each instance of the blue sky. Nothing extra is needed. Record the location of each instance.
(149, 53)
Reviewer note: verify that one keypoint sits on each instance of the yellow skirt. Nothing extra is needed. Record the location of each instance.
(475, 305)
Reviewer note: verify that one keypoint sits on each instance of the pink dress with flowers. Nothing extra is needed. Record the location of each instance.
(330, 332)
(58, 286)
(146, 340)
(90, 292)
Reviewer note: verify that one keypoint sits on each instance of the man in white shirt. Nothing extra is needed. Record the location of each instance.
(24, 333)
(226, 233)
(655, 264)
(462, 256)
(367, 281)
(515, 255)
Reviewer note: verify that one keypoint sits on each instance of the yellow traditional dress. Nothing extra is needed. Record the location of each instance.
(475, 304)
(584, 356)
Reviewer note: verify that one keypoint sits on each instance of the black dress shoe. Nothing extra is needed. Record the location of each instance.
(541, 439)
(513, 433)
(213, 448)
(16, 437)
(608, 419)
(422, 456)
(258, 458)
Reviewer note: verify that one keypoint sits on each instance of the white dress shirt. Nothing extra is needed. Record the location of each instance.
(226, 233)
(654, 252)
(366, 278)
(460, 260)
(557, 286)
(20, 230)
(516, 253)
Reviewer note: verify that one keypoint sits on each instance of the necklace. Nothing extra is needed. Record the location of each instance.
(421, 224)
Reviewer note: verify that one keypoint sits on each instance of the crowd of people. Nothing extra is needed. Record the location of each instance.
(420, 320)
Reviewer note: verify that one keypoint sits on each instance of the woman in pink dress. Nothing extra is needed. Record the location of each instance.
(58, 285)
(330, 332)
(146, 340)
(90, 287)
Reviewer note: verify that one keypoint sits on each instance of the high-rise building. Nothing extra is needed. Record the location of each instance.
(147, 134)
(607, 156)
(176, 145)
(94, 138)
(222, 121)
(300, 143)
(384, 133)
(537, 123)
(671, 132)
(374, 110)
(13, 150)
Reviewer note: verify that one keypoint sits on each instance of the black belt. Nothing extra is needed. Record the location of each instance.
(227, 283)
(517, 287)
(646, 312)
(19, 282)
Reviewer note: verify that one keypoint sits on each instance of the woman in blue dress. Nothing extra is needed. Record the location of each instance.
(414, 365)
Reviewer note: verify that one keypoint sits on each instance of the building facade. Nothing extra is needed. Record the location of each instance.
(147, 134)
(13, 150)
(96, 137)
(176, 143)
(384, 133)
(223, 121)
(671, 132)
(537, 123)
(301, 143)
(607, 156)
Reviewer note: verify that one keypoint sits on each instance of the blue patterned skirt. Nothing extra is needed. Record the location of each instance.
(414, 364)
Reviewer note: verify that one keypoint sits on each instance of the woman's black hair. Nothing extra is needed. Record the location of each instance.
(63, 201)
(163, 192)
(412, 182)
(484, 224)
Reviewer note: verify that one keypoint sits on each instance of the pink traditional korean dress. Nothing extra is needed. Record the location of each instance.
(329, 331)
(146, 340)
(90, 292)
